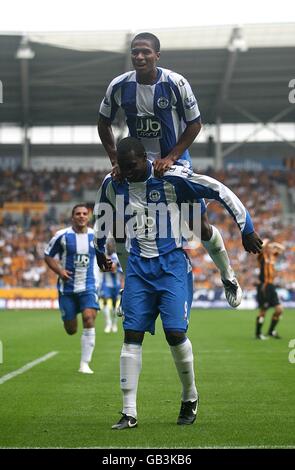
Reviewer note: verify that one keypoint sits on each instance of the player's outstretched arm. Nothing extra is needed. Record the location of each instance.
(252, 243)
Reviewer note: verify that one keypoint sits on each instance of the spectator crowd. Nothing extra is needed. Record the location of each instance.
(24, 236)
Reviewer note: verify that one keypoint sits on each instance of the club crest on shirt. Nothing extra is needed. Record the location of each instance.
(154, 195)
(163, 102)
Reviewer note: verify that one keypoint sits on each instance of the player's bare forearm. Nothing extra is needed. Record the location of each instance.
(184, 142)
(252, 243)
(54, 265)
(107, 138)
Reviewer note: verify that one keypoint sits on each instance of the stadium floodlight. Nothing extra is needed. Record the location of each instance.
(237, 40)
(24, 51)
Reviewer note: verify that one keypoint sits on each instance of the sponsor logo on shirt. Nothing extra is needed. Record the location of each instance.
(181, 82)
(190, 102)
(148, 127)
(163, 102)
(81, 261)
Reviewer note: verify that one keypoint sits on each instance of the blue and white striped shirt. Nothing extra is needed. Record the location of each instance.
(139, 201)
(156, 114)
(76, 253)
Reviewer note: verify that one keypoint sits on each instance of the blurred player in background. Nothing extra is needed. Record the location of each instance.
(110, 289)
(266, 291)
(77, 283)
(158, 277)
(162, 112)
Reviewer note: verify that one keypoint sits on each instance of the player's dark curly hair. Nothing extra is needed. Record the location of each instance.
(130, 144)
(149, 37)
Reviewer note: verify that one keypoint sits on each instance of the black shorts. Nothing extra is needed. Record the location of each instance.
(267, 296)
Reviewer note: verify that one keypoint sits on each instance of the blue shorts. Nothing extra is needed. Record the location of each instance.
(107, 292)
(161, 285)
(72, 304)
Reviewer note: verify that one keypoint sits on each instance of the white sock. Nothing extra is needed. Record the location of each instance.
(107, 315)
(184, 361)
(130, 367)
(218, 254)
(87, 344)
(122, 255)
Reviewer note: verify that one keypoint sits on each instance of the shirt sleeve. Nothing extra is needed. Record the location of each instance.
(112, 99)
(195, 186)
(186, 101)
(54, 246)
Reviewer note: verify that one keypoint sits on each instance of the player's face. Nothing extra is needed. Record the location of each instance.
(80, 218)
(144, 57)
(132, 167)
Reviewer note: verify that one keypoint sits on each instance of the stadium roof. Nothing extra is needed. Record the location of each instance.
(239, 74)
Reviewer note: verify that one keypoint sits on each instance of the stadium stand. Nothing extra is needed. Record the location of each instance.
(240, 76)
(25, 232)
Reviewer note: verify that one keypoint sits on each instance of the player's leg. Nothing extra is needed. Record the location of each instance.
(130, 368)
(71, 326)
(114, 313)
(69, 307)
(88, 307)
(274, 321)
(138, 305)
(175, 304)
(107, 314)
(259, 323)
(262, 304)
(212, 240)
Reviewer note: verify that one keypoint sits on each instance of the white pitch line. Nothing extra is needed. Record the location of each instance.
(27, 367)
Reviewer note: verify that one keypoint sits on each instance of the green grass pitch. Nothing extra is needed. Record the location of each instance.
(246, 386)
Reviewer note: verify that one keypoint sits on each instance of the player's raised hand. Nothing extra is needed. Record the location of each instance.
(105, 264)
(252, 243)
(162, 165)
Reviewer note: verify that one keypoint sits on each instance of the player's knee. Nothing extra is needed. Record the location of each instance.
(132, 336)
(71, 330)
(278, 310)
(206, 230)
(88, 321)
(174, 337)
